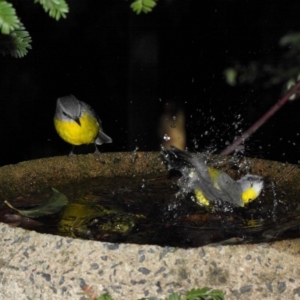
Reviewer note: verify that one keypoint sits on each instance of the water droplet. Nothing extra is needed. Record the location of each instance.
(166, 137)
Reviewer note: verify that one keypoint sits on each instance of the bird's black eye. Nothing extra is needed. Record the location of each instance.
(65, 114)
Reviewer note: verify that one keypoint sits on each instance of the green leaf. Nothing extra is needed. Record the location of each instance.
(105, 297)
(289, 85)
(231, 76)
(51, 206)
(9, 20)
(57, 8)
(204, 294)
(196, 294)
(16, 43)
(145, 6)
(174, 296)
(216, 295)
(290, 39)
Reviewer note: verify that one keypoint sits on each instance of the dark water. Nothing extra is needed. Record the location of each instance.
(145, 210)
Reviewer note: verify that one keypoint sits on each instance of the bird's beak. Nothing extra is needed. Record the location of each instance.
(77, 120)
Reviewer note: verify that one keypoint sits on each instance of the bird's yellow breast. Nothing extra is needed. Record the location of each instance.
(76, 134)
(200, 198)
(249, 195)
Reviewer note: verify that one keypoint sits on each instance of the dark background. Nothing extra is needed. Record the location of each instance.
(128, 66)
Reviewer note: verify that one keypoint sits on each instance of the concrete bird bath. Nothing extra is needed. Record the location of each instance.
(44, 266)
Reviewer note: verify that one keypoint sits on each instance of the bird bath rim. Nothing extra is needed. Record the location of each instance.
(52, 267)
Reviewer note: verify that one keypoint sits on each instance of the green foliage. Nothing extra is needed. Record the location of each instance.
(57, 8)
(174, 296)
(105, 297)
(16, 43)
(194, 294)
(286, 70)
(14, 38)
(204, 294)
(144, 6)
(231, 75)
(8, 18)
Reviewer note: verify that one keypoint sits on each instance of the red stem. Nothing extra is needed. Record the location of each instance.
(261, 121)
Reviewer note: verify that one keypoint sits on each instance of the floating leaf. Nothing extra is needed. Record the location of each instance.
(51, 206)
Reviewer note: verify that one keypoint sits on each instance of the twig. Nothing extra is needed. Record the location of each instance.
(261, 121)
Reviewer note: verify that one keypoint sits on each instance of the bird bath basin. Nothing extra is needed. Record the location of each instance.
(46, 266)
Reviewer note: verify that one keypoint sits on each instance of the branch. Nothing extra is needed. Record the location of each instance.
(261, 121)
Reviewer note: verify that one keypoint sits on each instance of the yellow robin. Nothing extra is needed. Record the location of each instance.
(211, 185)
(77, 123)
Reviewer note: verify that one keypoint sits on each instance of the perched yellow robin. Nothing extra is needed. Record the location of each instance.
(77, 123)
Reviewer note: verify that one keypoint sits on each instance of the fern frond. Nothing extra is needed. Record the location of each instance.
(56, 8)
(8, 18)
(16, 43)
(144, 6)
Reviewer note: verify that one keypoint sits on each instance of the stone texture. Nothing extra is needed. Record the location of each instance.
(40, 266)
(37, 266)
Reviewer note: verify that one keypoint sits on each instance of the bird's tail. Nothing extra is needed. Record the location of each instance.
(102, 138)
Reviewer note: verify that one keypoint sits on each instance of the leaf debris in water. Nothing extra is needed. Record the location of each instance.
(51, 206)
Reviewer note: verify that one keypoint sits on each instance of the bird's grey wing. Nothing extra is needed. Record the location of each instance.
(176, 159)
(202, 181)
(196, 177)
(231, 190)
(88, 108)
(194, 171)
(102, 138)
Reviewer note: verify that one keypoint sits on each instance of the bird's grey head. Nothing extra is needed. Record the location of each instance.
(254, 181)
(68, 108)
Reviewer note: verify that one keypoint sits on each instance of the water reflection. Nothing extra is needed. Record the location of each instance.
(145, 210)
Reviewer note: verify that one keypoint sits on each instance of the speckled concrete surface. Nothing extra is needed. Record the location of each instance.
(35, 266)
